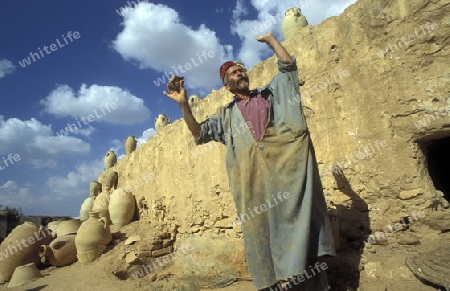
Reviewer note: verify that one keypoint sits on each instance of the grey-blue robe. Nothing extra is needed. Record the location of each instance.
(280, 234)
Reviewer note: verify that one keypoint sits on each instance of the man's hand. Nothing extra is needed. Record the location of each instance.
(266, 37)
(179, 97)
(275, 45)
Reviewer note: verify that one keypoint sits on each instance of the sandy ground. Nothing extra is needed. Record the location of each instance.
(384, 270)
(89, 277)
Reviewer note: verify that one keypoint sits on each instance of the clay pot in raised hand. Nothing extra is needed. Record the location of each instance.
(130, 144)
(62, 251)
(92, 237)
(122, 206)
(110, 159)
(21, 246)
(174, 83)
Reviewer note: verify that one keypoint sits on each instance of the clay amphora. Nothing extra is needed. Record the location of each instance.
(95, 187)
(111, 180)
(61, 251)
(110, 159)
(92, 237)
(193, 100)
(293, 21)
(68, 227)
(101, 204)
(121, 207)
(21, 246)
(130, 144)
(86, 207)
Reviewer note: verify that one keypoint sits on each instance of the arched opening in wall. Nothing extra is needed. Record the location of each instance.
(437, 153)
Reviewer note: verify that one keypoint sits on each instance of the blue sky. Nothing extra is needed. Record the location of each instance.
(96, 66)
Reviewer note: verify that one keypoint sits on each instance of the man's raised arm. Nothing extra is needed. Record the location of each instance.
(275, 45)
(181, 99)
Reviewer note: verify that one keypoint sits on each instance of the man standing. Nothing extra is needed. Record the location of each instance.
(269, 152)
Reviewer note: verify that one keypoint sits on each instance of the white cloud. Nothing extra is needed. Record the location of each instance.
(239, 10)
(145, 136)
(270, 17)
(103, 103)
(35, 142)
(6, 67)
(76, 183)
(85, 131)
(12, 195)
(154, 36)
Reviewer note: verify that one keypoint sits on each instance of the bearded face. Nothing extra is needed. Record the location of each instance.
(237, 80)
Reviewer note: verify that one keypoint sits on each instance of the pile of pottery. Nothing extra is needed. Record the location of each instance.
(61, 251)
(106, 204)
(21, 247)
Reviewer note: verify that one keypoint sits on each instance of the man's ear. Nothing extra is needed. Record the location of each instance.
(226, 86)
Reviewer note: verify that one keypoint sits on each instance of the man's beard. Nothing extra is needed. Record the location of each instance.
(239, 86)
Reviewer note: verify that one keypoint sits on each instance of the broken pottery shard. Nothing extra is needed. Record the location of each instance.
(132, 239)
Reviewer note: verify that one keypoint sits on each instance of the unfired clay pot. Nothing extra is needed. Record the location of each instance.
(22, 252)
(130, 144)
(92, 237)
(293, 21)
(111, 180)
(86, 207)
(101, 204)
(61, 251)
(110, 159)
(121, 207)
(95, 187)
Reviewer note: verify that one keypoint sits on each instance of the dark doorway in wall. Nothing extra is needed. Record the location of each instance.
(438, 159)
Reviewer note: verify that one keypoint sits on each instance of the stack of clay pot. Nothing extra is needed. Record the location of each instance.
(94, 188)
(130, 144)
(122, 206)
(110, 159)
(92, 237)
(21, 246)
(101, 202)
(293, 21)
(62, 250)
